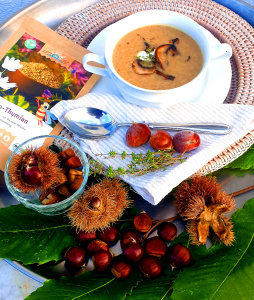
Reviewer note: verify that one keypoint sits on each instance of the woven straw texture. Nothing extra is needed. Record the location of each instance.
(224, 24)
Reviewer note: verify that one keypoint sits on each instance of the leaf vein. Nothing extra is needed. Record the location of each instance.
(233, 267)
(166, 293)
(32, 230)
(99, 287)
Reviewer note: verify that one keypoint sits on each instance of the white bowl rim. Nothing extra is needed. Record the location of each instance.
(196, 79)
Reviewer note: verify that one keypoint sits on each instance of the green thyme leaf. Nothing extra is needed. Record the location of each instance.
(141, 163)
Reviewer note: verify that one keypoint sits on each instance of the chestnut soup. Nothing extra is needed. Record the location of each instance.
(157, 57)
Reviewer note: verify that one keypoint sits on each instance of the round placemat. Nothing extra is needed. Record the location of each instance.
(224, 24)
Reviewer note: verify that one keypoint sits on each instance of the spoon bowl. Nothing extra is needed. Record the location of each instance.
(94, 123)
(90, 123)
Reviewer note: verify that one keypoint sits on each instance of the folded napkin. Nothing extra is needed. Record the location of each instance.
(153, 187)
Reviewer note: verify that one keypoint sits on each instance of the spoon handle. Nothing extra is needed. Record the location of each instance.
(201, 128)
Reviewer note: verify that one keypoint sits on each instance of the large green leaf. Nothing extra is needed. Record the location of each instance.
(244, 162)
(223, 272)
(30, 237)
(218, 273)
(89, 285)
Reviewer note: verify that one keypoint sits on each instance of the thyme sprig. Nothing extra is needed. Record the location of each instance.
(141, 163)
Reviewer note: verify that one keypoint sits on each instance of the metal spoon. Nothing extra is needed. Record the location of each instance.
(93, 123)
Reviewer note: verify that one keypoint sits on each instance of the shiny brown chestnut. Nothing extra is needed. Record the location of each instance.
(150, 266)
(160, 140)
(142, 222)
(75, 257)
(31, 175)
(133, 252)
(137, 134)
(84, 237)
(185, 141)
(121, 269)
(155, 246)
(178, 256)
(129, 237)
(167, 231)
(96, 245)
(32, 160)
(109, 235)
(102, 260)
(94, 203)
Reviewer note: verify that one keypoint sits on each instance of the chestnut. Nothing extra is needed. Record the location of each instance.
(45, 194)
(76, 184)
(64, 190)
(150, 266)
(121, 269)
(31, 175)
(84, 237)
(137, 134)
(73, 162)
(74, 174)
(109, 235)
(167, 231)
(160, 140)
(75, 257)
(129, 237)
(69, 152)
(51, 198)
(133, 252)
(94, 203)
(66, 154)
(32, 160)
(96, 245)
(155, 246)
(185, 141)
(142, 222)
(102, 260)
(178, 256)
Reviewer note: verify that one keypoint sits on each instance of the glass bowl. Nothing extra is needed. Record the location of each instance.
(31, 200)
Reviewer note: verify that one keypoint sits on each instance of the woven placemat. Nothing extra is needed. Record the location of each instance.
(224, 24)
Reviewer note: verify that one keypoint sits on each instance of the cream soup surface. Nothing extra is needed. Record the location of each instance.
(184, 66)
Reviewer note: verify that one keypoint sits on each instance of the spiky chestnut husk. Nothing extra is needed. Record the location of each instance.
(203, 203)
(113, 198)
(48, 165)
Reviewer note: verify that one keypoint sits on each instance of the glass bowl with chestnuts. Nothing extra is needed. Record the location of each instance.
(47, 174)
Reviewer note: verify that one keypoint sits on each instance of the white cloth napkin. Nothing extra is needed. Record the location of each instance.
(153, 187)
